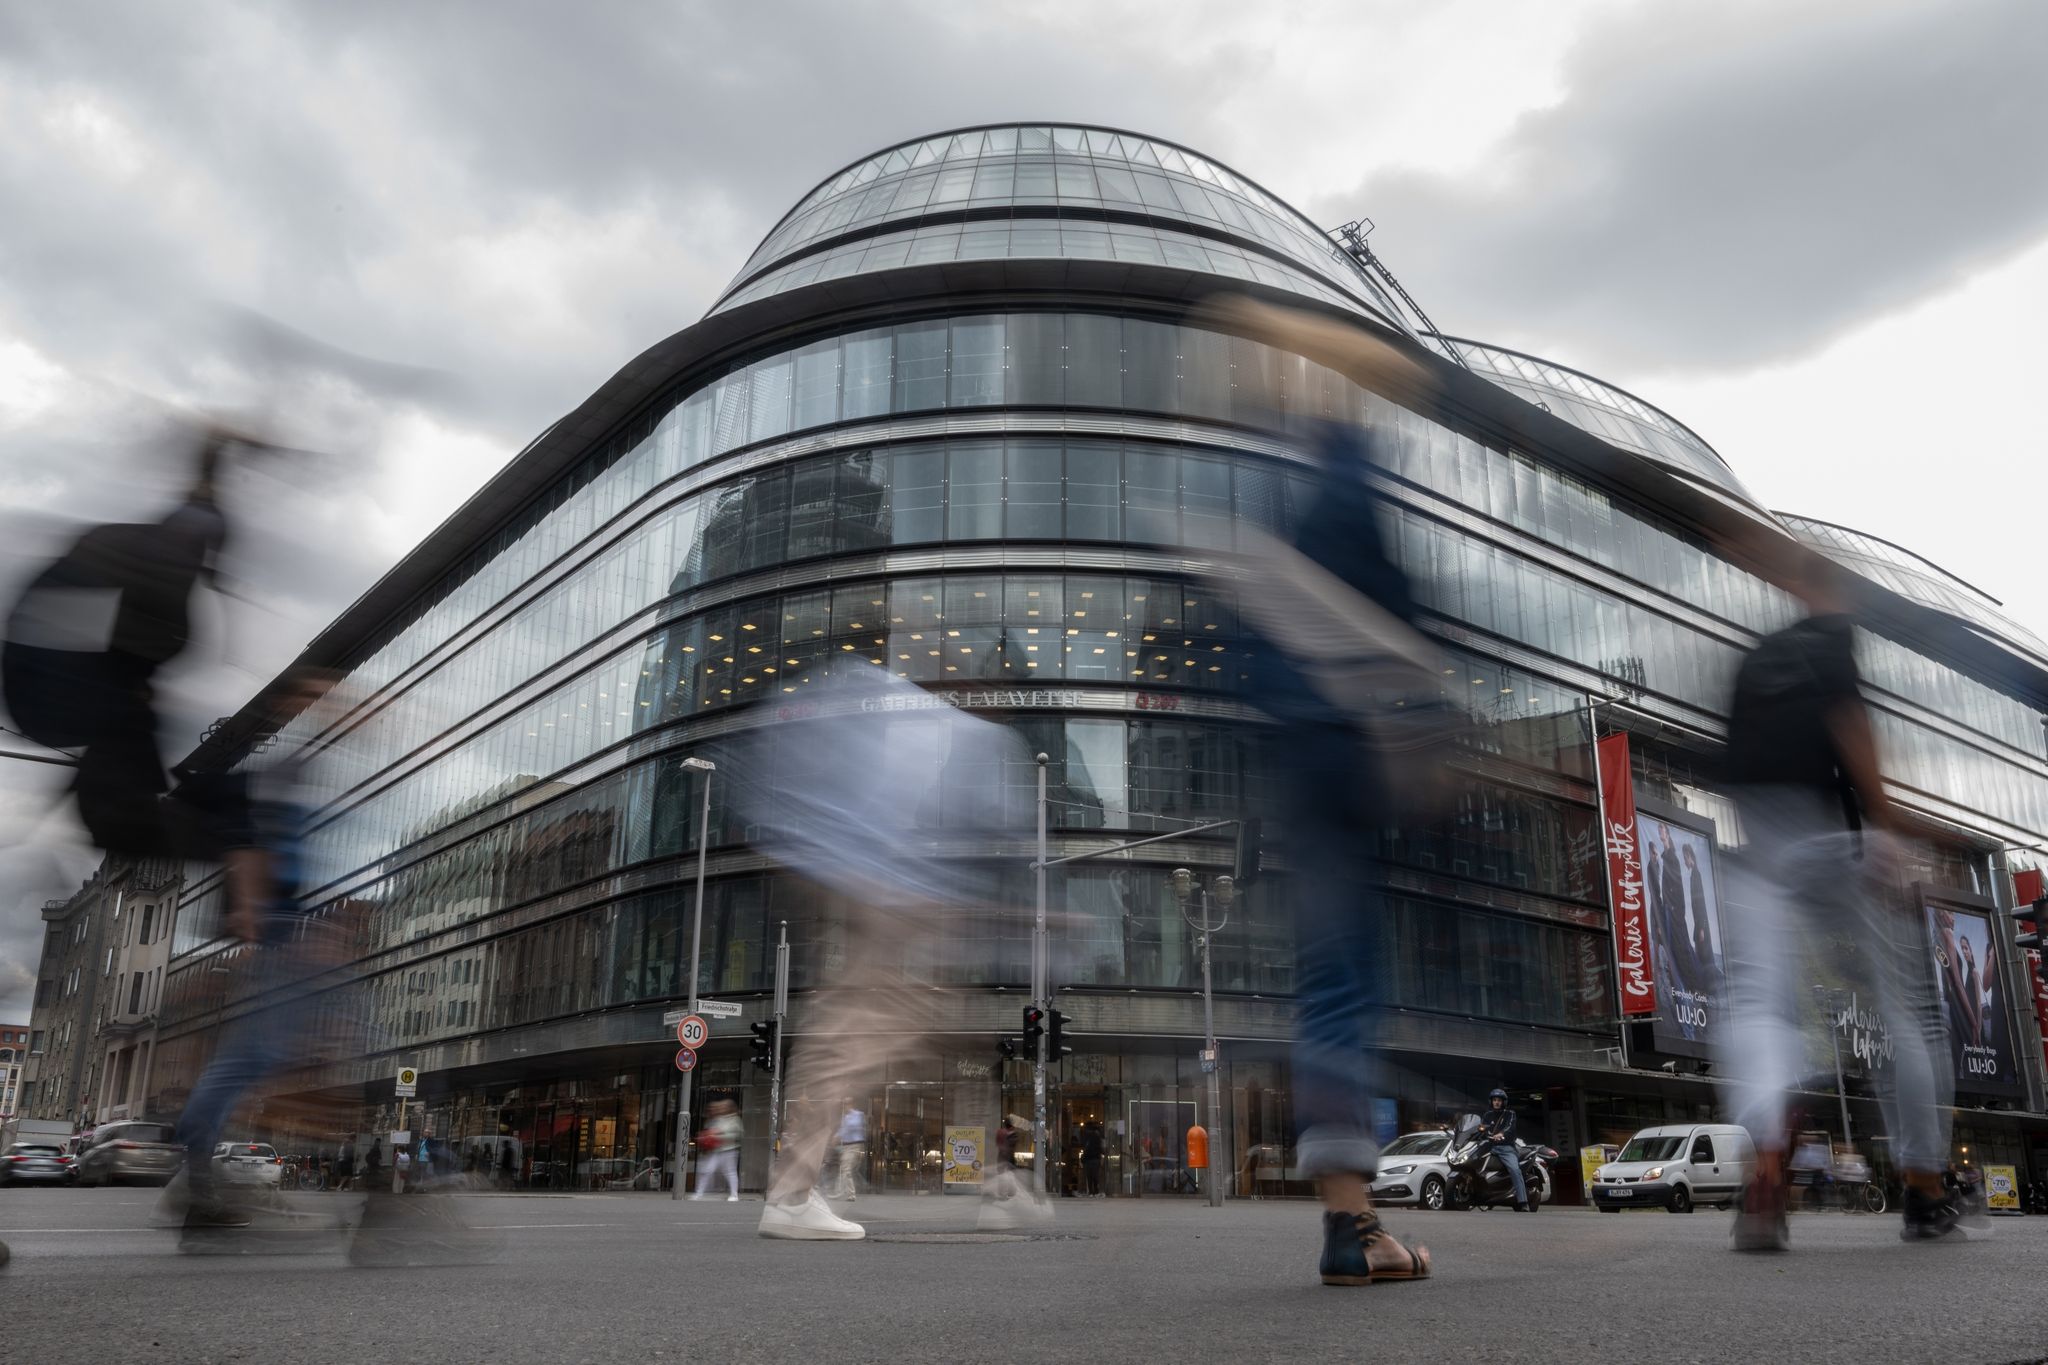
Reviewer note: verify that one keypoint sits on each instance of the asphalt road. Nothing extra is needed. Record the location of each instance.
(641, 1278)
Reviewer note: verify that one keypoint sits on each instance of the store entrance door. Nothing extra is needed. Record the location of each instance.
(1083, 1129)
(1158, 1145)
(907, 1141)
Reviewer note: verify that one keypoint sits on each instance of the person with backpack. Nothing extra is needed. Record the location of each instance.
(1821, 859)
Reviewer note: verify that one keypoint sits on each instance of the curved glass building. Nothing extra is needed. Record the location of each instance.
(957, 418)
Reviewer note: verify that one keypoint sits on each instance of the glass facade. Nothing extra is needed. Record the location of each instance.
(1015, 508)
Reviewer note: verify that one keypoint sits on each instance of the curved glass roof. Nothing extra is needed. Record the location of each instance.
(1609, 413)
(985, 170)
(1912, 577)
(1027, 238)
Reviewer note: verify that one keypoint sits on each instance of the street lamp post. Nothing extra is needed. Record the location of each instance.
(1226, 894)
(1039, 993)
(684, 1085)
(1827, 1004)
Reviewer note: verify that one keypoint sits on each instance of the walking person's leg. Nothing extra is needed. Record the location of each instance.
(1916, 1091)
(1338, 982)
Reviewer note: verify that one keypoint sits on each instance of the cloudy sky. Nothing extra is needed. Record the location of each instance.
(1815, 232)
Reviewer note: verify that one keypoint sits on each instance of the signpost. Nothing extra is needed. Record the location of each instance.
(408, 1085)
(705, 767)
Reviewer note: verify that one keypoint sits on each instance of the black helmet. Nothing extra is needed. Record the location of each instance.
(1497, 1093)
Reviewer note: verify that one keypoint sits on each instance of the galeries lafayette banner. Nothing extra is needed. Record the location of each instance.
(1625, 879)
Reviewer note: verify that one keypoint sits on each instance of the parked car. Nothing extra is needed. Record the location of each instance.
(36, 1163)
(1413, 1170)
(133, 1152)
(248, 1163)
(1677, 1166)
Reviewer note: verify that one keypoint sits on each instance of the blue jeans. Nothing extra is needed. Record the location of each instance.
(251, 1049)
(1506, 1152)
(1339, 964)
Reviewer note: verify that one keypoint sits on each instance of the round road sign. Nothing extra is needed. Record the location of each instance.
(693, 1032)
(686, 1060)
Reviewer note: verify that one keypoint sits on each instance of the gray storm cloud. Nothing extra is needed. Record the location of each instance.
(1725, 186)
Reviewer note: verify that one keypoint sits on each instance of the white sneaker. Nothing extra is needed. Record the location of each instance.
(810, 1221)
(695, 1197)
(1019, 1210)
(732, 1199)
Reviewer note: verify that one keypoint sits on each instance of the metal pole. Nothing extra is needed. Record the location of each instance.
(775, 1075)
(397, 1179)
(684, 1087)
(1841, 1086)
(1039, 1149)
(1215, 1062)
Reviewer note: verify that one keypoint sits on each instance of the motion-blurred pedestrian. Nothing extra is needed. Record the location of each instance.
(1821, 858)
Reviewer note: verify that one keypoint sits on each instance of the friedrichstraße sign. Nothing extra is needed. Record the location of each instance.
(720, 1009)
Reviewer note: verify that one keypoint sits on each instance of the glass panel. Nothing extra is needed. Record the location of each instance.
(977, 363)
(974, 509)
(917, 496)
(1094, 491)
(867, 361)
(817, 385)
(1152, 495)
(920, 366)
(1033, 502)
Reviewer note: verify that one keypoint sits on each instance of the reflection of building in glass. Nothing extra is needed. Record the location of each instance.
(948, 421)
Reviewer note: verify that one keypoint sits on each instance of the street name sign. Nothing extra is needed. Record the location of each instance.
(720, 1009)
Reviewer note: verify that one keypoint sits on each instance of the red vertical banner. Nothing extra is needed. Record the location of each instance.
(1625, 879)
(2029, 886)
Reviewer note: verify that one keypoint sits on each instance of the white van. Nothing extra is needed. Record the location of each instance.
(1677, 1166)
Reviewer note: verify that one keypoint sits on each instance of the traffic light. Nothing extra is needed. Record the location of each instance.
(1251, 853)
(1006, 1048)
(2038, 914)
(1034, 1029)
(1054, 1047)
(764, 1043)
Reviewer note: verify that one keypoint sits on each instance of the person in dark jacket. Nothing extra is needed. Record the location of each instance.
(1332, 618)
(1498, 1123)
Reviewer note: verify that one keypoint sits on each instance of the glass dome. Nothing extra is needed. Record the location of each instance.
(1093, 172)
(1609, 413)
(1914, 578)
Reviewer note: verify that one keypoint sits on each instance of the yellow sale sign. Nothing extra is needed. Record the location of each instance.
(2002, 1187)
(964, 1147)
(1591, 1159)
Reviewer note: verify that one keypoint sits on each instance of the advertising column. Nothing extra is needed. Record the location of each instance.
(1637, 979)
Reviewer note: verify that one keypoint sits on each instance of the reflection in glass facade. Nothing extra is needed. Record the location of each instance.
(1011, 502)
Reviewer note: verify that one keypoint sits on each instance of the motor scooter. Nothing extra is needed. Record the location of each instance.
(1479, 1180)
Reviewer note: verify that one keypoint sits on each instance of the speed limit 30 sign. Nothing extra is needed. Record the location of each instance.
(693, 1032)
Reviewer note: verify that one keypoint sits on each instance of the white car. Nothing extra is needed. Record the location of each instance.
(1413, 1170)
(248, 1163)
(1677, 1166)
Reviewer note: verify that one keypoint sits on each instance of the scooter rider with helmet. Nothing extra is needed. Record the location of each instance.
(1499, 1126)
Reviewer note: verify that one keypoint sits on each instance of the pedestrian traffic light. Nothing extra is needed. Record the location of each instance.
(1054, 1047)
(1034, 1029)
(2037, 914)
(1251, 853)
(764, 1044)
(1006, 1048)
